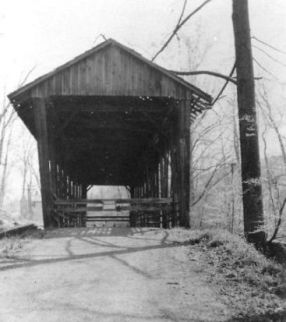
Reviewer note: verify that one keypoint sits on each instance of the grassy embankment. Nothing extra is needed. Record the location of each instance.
(251, 284)
(9, 246)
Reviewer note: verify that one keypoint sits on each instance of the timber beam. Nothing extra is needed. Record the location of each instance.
(41, 125)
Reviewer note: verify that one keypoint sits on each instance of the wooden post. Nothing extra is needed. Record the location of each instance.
(65, 187)
(174, 181)
(157, 182)
(62, 182)
(166, 188)
(249, 147)
(76, 189)
(58, 185)
(51, 121)
(160, 179)
(54, 177)
(192, 188)
(69, 187)
(40, 117)
(183, 154)
(84, 191)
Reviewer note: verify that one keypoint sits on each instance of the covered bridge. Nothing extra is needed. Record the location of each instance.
(112, 117)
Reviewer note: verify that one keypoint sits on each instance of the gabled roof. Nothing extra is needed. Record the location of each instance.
(94, 50)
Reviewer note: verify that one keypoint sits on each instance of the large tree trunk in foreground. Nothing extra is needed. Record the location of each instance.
(250, 163)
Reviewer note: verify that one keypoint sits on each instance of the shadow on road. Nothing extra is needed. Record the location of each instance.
(164, 314)
(89, 236)
(97, 231)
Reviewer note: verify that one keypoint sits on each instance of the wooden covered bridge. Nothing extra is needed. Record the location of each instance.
(112, 117)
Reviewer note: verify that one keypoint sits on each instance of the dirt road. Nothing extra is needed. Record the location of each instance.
(106, 274)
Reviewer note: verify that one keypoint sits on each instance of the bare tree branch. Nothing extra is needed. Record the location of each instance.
(269, 56)
(263, 68)
(279, 222)
(24, 80)
(206, 72)
(178, 27)
(99, 36)
(272, 122)
(182, 12)
(268, 45)
(225, 85)
(269, 175)
(206, 187)
(5, 110)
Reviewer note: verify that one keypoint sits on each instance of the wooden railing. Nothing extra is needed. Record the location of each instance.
(154, 212)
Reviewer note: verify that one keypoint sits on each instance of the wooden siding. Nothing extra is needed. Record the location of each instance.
(110, 72)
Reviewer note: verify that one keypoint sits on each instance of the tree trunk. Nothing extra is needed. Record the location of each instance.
(250, 162)
(3, 181)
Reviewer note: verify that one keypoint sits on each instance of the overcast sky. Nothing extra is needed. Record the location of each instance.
(44, 34)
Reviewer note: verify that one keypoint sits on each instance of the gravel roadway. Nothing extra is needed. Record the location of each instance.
(106, 274)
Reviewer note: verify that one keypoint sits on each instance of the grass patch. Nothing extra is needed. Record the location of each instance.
(234, 256)
(249, 282)
(9, 246)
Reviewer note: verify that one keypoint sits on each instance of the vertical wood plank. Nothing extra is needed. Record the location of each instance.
(184, 162)
(51, 126)
(40, 117)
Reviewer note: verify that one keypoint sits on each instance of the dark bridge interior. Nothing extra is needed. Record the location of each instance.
(111, 140)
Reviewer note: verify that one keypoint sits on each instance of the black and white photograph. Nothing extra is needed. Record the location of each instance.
(142, 161)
